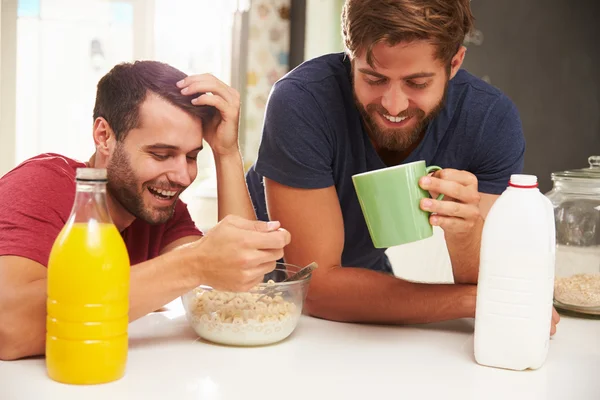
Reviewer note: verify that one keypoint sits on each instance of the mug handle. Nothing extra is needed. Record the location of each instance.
(433, 168)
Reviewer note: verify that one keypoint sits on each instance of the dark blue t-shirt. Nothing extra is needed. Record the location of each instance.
(313, 138)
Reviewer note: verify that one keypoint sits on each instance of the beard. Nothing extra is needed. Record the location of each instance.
(122, 184)
(397, 139)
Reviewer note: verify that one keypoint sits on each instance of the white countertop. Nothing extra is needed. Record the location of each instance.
(325, 360)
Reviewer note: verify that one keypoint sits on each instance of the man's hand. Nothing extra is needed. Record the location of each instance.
(458, 212)
(555, 321)
(459, 215)
(237, 253)
(222, 133)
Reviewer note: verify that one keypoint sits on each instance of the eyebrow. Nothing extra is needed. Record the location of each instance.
(164, 146)
(411, 76)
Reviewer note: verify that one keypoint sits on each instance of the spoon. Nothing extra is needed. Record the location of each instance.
(304, 272)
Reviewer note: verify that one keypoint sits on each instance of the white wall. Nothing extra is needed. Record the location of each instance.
(49, 75)
(57, 74)
(323, 30)
(8, 49)
(0, 51)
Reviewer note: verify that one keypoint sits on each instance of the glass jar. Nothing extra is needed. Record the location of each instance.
(576, 199)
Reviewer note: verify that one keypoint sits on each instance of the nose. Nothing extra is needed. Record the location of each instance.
(394, 100)
(181, 173)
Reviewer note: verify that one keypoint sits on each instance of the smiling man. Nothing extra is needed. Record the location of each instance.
(397, 95)
(150, 121)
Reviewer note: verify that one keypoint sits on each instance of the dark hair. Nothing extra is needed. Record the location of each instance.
(444, 23)
(125, 87)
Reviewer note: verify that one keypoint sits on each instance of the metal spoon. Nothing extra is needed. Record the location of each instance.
(303, 273)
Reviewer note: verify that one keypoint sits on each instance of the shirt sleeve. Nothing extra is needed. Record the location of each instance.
(179, 226)
(35, 203)
(501, 151)
(297, 146)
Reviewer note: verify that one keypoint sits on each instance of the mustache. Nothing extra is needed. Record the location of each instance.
(166, 186)
(409, 112)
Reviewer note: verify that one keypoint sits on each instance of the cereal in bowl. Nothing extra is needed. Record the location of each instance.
(242, 319)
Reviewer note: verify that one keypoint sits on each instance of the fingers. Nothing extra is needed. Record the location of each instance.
(459, 210)
(555, 321)
(459, 185)
(252, 276)
(275, 240)
(555, 316)
(256, 275)
(462, 177)
(267, 267)
(228, 112)
(259, 234)
(450, 208)
(261, 260)
(453, 189)
(204, 83)
(250, 225)
(266, 262)
(249, 269)
(212, 100)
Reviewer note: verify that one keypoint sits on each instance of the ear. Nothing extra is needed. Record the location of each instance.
(104, 137)
(457, 61)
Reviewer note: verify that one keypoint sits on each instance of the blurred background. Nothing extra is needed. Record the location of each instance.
(541, 53)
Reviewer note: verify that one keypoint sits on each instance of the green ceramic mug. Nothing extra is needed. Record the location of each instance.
(390, 201)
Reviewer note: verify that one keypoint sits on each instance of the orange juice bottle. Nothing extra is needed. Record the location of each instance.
(88, 291)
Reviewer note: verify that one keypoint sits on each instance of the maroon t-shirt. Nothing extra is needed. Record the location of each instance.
(36, 200)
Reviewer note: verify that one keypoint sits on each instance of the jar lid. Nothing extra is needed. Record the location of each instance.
(91, 174)
(592, 172)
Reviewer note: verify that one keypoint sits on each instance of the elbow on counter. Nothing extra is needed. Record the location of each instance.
(9, 350)
(318, 305)
(311, 307)
(13, 343)
(313, 302)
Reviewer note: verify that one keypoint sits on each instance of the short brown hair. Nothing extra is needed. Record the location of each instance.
(125, 87)
(444, 23)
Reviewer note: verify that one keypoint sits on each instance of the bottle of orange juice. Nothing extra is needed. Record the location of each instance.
(88, 291)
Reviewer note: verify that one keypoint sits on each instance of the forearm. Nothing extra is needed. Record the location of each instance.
(464, 250)
(232, 192)
(23, 320)
(464, 256)
(360, 295)
(153, 284)
(157, 282)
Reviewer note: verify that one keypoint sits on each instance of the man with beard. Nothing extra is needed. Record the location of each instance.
(396, 95)
(150, 121)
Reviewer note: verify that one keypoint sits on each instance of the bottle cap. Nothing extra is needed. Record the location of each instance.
(523, 181)
(91, 174)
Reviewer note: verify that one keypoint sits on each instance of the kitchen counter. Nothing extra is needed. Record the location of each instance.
(325, 360)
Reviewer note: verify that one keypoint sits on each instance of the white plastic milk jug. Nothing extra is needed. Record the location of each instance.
(516, 279)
